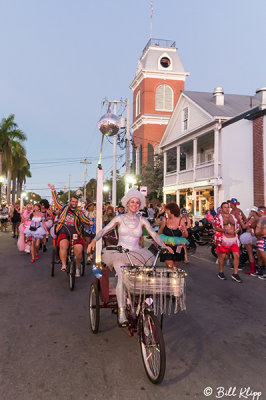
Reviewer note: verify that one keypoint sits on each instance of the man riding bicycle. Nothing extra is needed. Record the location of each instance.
(69, 223)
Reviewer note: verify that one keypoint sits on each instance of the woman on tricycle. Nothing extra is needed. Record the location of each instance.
(130, 227)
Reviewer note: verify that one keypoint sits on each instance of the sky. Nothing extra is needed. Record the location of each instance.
(61, 58)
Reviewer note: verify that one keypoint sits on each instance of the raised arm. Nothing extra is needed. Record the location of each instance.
(58, 204)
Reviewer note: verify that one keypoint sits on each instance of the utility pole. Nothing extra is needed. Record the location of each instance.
(114, 165)
(85, 162)
(69, 187)
(127, 147)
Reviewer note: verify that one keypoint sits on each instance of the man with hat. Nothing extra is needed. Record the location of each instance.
(235, 211)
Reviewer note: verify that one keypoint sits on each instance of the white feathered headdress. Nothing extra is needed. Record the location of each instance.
(134, 193)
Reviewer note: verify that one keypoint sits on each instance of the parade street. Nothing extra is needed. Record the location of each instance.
(216, 349)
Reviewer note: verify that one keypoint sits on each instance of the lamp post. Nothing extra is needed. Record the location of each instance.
(106, 190)
(23, 194)
(130, 180)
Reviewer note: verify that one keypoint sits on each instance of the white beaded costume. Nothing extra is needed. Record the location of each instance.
(129, 233)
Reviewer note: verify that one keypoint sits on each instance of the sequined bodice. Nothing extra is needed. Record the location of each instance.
(129, 232)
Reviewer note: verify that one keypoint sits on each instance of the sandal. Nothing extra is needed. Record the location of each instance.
(32, 260)
(37, 257)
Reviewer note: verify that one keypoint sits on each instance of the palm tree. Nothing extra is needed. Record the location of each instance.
(18, 162)
(9, 133)
(23, 173)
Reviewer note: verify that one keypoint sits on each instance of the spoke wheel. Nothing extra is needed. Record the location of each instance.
(82, 264)
(94, 308)
(53, 261)
(152, 347)
(72, 273)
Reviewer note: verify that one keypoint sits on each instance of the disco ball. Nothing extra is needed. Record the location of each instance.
(109, 124)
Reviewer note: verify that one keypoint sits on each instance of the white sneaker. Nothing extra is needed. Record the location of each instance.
(63, 268)
(77, 273)
(122, 319)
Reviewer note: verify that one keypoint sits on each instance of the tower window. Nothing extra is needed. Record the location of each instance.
(165, 62)
(164, 98)
(138, 104)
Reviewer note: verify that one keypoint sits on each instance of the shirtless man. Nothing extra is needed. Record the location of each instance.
(235, 211)
(227, 225)
(260, 233)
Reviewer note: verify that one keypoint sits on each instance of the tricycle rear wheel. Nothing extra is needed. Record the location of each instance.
(94, 308)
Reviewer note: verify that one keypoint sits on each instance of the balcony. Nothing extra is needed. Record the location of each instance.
(185, 176)
(204, 171)
(170, 178)
(159, 42)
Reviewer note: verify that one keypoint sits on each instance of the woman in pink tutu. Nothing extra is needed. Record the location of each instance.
(23, 244)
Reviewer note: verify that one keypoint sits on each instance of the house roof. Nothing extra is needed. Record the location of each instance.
(234, 104)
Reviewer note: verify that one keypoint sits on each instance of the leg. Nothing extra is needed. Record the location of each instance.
(221, 257)
(78, 254)
(32, 249)
(37, 245)
(252, 267)
(236, 261)
(63, 249)
(185, 251)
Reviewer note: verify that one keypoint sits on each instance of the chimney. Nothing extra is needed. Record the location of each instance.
(218, 94)
(261, 95)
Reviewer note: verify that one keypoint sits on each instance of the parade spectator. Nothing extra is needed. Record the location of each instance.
(4, 217)
(209, 216)
(111, 237)
(15, 218)
(187, 221)
(161, 211)
(235, 211)
(248, 238)
(120, 209)
(151, 214)
(89, 230)
(226, 239)
(212, 210)
(260, 233)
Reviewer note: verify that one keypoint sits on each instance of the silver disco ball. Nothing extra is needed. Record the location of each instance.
(109, 124)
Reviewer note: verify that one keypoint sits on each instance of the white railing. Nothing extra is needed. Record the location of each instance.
(185, 176)
(170, 178)
(204, 171)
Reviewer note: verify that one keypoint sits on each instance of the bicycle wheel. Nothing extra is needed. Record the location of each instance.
(72, 272)
(53, 261)
(152, 347)
(94, 308)
(82, 264)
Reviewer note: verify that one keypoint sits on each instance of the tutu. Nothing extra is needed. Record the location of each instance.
(49, 224)
(139, 257)
(173, 240)
(247, 238)
(39, 233)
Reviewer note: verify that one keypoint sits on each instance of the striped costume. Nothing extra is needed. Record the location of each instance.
(79, 216)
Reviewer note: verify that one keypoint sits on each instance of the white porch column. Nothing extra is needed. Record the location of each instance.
(194, 194)
(178, 197)
(216, 164)
(195, 150)
(164, 166)
(177, 163)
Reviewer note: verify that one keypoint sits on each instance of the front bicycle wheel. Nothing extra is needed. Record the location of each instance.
(72, 272)
(152, 347)
(82, 264)
(94, 308)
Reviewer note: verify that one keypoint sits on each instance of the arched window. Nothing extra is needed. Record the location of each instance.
(164, 98)
(138, 103)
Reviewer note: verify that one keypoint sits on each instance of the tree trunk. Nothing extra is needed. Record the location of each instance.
(19, 186)
(8, 186)
(1, 162)
(13, 190)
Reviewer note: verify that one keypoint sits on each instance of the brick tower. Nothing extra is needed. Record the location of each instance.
(159, 79)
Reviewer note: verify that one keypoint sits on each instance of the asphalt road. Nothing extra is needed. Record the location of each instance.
(48, 352)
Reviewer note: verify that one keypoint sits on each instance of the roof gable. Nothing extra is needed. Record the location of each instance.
(197, 116)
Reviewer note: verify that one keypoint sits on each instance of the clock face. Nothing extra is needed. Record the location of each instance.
(165, 62)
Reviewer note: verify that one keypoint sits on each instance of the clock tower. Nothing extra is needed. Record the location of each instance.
(159, 80)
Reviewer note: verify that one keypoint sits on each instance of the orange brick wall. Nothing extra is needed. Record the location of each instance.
(147, 95)
(148, 134)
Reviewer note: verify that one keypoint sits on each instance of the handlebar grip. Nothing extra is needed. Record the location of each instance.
(111, 247)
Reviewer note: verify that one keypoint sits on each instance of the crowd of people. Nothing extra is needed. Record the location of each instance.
(234, 231)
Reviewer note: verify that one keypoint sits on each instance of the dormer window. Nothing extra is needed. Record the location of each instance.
(164, 98)
(165, 62)
(138, 103)
(185, 119)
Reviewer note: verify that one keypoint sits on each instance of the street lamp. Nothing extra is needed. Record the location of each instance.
(106, 189)
(130, 180)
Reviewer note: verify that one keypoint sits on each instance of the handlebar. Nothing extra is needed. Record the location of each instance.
(121, 249)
